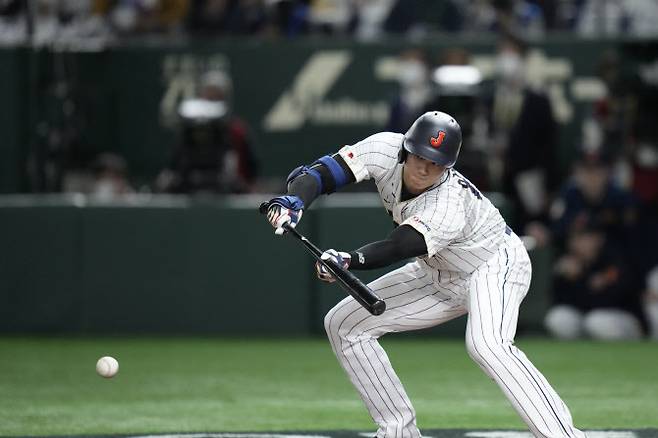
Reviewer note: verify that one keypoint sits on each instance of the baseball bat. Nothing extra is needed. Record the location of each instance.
(347, 280)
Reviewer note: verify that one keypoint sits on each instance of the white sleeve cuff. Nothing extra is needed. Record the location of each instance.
(358, 169)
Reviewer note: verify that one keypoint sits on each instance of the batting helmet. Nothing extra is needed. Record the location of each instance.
(434, 136)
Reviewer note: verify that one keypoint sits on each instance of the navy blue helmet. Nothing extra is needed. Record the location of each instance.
(434, 136)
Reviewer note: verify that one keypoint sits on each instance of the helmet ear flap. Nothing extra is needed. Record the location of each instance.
(402, 155)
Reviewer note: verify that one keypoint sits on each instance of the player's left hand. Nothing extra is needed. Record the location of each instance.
(284, 210)
(342, 258)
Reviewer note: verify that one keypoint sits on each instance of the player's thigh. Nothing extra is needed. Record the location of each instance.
(496, 291)
(413, 301)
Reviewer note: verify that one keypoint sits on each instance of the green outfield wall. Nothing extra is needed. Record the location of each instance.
(300, 98)
(175, 265)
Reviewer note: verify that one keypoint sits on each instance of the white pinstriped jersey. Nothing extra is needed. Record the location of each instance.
(461, 227)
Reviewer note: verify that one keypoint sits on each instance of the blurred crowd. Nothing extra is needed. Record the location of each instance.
(99, 21)
(213, 152)
(599, 214)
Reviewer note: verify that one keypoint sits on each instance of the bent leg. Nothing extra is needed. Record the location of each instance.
(413, 302)
(497, 290)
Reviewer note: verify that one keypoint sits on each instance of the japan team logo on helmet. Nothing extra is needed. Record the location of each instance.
(434, 136)
(436, 141)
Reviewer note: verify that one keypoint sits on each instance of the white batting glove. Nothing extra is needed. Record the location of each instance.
(341, 258)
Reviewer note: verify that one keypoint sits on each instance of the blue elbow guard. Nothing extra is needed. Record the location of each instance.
(336, 170)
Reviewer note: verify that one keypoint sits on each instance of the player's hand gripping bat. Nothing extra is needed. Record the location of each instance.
(347, 280)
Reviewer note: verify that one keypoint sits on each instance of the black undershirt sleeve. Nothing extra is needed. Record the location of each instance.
(306, 187)
(404, 242)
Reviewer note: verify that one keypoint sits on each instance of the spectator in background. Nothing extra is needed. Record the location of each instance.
(219, 17)
(369, 17)
(110, 178)
(288, 18)
(594, 294)
(613, 116)
(457, 89)
(72, 22)
(592, 194)
(330, 17)
(595, 287)
(414, 93)
(614, 18)
(214, 154)
(13, 29)
(504, 15)
(149, 16)
(626, 119)
(105, 179)
(523, 161)
(416, 18)
(643, 131)
(615, 112)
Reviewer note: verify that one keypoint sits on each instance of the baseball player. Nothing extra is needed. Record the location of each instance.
(466, 260)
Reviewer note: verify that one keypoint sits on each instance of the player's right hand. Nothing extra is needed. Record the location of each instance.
(284, 210)
(342, 258)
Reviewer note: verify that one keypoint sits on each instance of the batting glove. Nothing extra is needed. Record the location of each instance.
(341, 258)
(285, 210)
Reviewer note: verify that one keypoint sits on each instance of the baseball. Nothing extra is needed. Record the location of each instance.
(107, 366)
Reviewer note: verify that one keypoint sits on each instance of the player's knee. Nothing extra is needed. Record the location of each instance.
(330, 325)
(488, 350)
(564, 322)
(482, 350)
(334, 321)
(346, 321)
(473, 351)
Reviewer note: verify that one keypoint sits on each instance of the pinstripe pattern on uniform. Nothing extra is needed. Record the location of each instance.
(490, 342)
(414, 302)
(473, 265)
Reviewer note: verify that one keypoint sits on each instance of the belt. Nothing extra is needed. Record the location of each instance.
(508, 230)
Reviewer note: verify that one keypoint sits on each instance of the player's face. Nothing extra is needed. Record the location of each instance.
(420, 174)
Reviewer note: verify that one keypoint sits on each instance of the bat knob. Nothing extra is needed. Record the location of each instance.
(378, 307)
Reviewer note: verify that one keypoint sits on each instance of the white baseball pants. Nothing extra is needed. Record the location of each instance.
(418, 297)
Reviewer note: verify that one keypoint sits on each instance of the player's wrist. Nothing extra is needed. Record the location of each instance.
(357, 259)
(290, 202)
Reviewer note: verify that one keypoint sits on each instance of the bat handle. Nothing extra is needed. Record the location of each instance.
(292, 231)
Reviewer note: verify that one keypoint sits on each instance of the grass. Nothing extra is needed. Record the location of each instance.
(48, 385)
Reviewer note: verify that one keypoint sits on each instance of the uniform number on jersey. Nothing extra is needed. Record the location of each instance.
(467, 185)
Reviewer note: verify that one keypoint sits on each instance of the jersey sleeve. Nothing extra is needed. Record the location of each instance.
(372, 156)
(439, 226)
